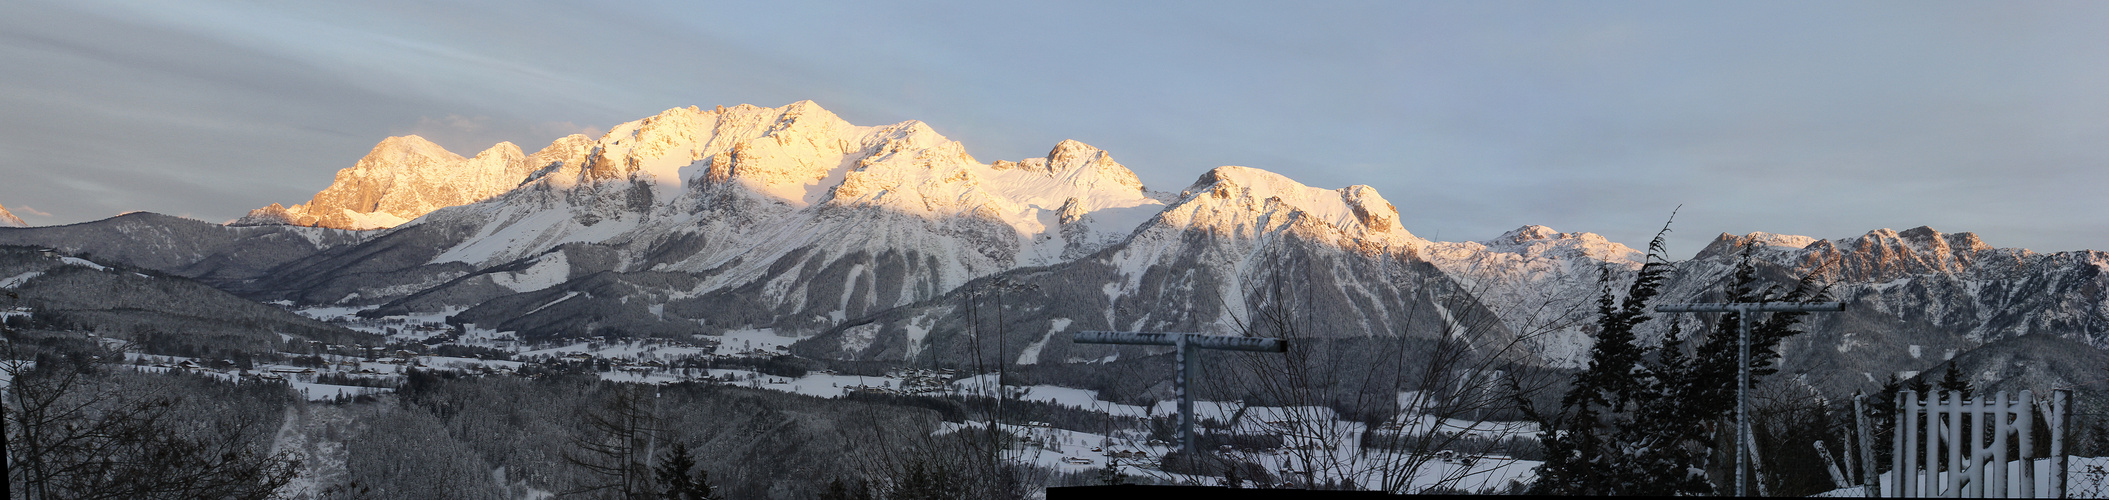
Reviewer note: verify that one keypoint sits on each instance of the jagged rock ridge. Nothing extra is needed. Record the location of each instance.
(8, 219)
(406, 177)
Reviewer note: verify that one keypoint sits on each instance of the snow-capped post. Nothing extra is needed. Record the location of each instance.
(1865, 442)
(1184, 344)
(1744, 310)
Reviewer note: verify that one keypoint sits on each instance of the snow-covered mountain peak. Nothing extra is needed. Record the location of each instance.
(1881, 254)
(406, 177)
(1071, 155)
(1726, 244)
(800, 175)
(408, 149)
(1523, 235)
(8, 219)
(1078, 164)
(1541, 241)
(1356, 210)
(501, 150)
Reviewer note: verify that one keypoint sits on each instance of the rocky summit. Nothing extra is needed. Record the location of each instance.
(863, 242)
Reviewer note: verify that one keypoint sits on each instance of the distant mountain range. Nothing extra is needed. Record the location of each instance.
(868, 240)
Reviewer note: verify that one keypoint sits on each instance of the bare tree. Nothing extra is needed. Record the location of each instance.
(74, 432)
(616, 446)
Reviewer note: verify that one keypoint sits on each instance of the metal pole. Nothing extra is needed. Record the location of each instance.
(1743, 310)
(1185, 358)
(1185, 351)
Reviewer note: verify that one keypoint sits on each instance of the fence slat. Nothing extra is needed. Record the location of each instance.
(1910, 477)
(1955, 444)
(1934, 435)
(1977, 465)
(1976, 451)
(2059, 412)
(1899, 454)
(1997, 484)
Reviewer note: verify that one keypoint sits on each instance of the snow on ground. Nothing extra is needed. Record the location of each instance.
(618, 349)
(326, 313)
(1065, 396)
(1081, 398)
(1077, 451)
(19, 279)
(1419, 424)
(414, 326)
(736, 342)
(465, 363)
(83, 263)
(322, 392)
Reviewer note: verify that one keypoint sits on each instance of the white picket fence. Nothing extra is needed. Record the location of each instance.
(1977, 432)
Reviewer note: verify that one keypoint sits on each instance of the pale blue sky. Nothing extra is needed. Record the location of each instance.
(1824, 119)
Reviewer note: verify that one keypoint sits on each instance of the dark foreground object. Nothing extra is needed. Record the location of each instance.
(1207, 492)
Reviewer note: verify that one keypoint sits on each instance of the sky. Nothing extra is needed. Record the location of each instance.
(1824, 119)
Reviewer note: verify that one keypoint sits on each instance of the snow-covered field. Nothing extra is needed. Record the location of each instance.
(1067, 450)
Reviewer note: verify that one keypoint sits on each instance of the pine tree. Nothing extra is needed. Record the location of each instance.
(1669, 437)
(1882, 416)
(1643, 420)
(924, 482)
(1953, 381)
(676, 483)
(1582, 455)
(1918, 385)
(1110, 475)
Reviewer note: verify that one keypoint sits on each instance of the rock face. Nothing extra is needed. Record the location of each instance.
(873, 242)
(1227, 250)
(407, 177)
(8, 219)
(737, 217)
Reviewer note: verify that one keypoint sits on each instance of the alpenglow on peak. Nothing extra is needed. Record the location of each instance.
(8, 219)
(407, 176)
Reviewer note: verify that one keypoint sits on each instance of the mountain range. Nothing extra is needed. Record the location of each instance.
(869, 243)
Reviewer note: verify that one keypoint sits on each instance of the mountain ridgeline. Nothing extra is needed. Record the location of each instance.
(872, 243)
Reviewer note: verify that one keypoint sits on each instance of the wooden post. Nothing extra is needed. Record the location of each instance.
(1757, 463)
(1870, 474)
(1838, 479)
